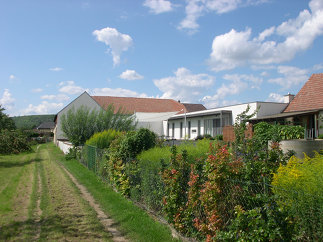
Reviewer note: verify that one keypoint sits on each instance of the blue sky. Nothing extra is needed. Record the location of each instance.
(214, 52)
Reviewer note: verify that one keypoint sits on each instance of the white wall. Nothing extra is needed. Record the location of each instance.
(83, 100)
(153, 121)
(265, 109)
(64, 146)
(237, 109)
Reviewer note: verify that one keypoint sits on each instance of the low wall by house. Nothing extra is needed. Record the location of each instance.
(301, 146)
(64, 146)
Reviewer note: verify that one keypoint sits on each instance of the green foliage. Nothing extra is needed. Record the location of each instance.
(176, 178)
(240, 126)
(13, 142)
(258, 224)
(103, 139)
(79, 125)
(265, 132)
(5, 121)
(32, 121)
(299, 187)
(204, 136)
(135, 142)
(320, 136)
(123, 150)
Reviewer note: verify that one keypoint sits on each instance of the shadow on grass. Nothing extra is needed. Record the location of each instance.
(10, 164)
(54, 227)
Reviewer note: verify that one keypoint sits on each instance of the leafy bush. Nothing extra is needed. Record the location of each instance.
(299, 187)
(204, 136)
(13, 142)
(320, 136)
(135, 142)
(265, 132)
(103, 139)
(79, 125)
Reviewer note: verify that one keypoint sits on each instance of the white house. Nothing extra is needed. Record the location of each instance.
(149, 112)
(212, 121)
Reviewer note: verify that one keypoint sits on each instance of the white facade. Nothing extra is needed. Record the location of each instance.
(212, 121)
(83, 100)
(153, 121)
(264, 109)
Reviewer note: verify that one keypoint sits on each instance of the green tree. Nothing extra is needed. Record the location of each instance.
(5, 121)
(79, 125)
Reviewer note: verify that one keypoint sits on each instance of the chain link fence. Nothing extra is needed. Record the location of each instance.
(92, 158)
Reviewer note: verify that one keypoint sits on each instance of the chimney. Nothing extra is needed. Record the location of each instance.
(288, 98)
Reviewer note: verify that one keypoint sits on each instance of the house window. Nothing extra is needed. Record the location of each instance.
(189, 129)
(181, 129)
(173, 128)
(217, 129)
(208, 126)
(198, 127)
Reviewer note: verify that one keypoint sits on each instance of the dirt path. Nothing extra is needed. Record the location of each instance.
(107, 222)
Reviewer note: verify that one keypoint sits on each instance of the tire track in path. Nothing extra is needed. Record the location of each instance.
(108, 223)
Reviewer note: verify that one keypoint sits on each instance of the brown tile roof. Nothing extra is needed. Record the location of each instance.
(310, 97)
(134, 104)
(191, 107)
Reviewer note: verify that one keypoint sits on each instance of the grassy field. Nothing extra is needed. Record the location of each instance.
(39, 201)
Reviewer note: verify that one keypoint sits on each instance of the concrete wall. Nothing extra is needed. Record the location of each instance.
(302, 146)
(64, 146)
(83, 100)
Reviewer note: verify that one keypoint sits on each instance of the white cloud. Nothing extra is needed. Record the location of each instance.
(238, 83)
(59, 97)
(130, 75)
(56, 69)
(292, 76)
(43, 108)
(318, 67)
(7, 101)
(70, 88)
(158, 6)
(184, 86)
(197, 8)
(116, 41)
(119, 92)
(275, 97)
(36, 90)
(234, 48)
(12, 77)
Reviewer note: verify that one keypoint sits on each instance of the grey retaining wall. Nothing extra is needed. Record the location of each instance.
(302, 146)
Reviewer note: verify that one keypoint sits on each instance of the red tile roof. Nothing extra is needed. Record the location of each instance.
(147, 105)
(310, 97)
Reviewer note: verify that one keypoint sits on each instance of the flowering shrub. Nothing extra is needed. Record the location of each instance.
(299, 189)
(176, 178)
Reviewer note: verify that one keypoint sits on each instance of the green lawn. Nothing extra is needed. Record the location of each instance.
(132, 221)
(38, 201)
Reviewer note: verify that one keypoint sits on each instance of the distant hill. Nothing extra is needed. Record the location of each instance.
(32, 121)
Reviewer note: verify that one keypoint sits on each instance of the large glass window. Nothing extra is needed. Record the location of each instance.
(199, 127)
(173, 129)
(181, 130)
(189, 129)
